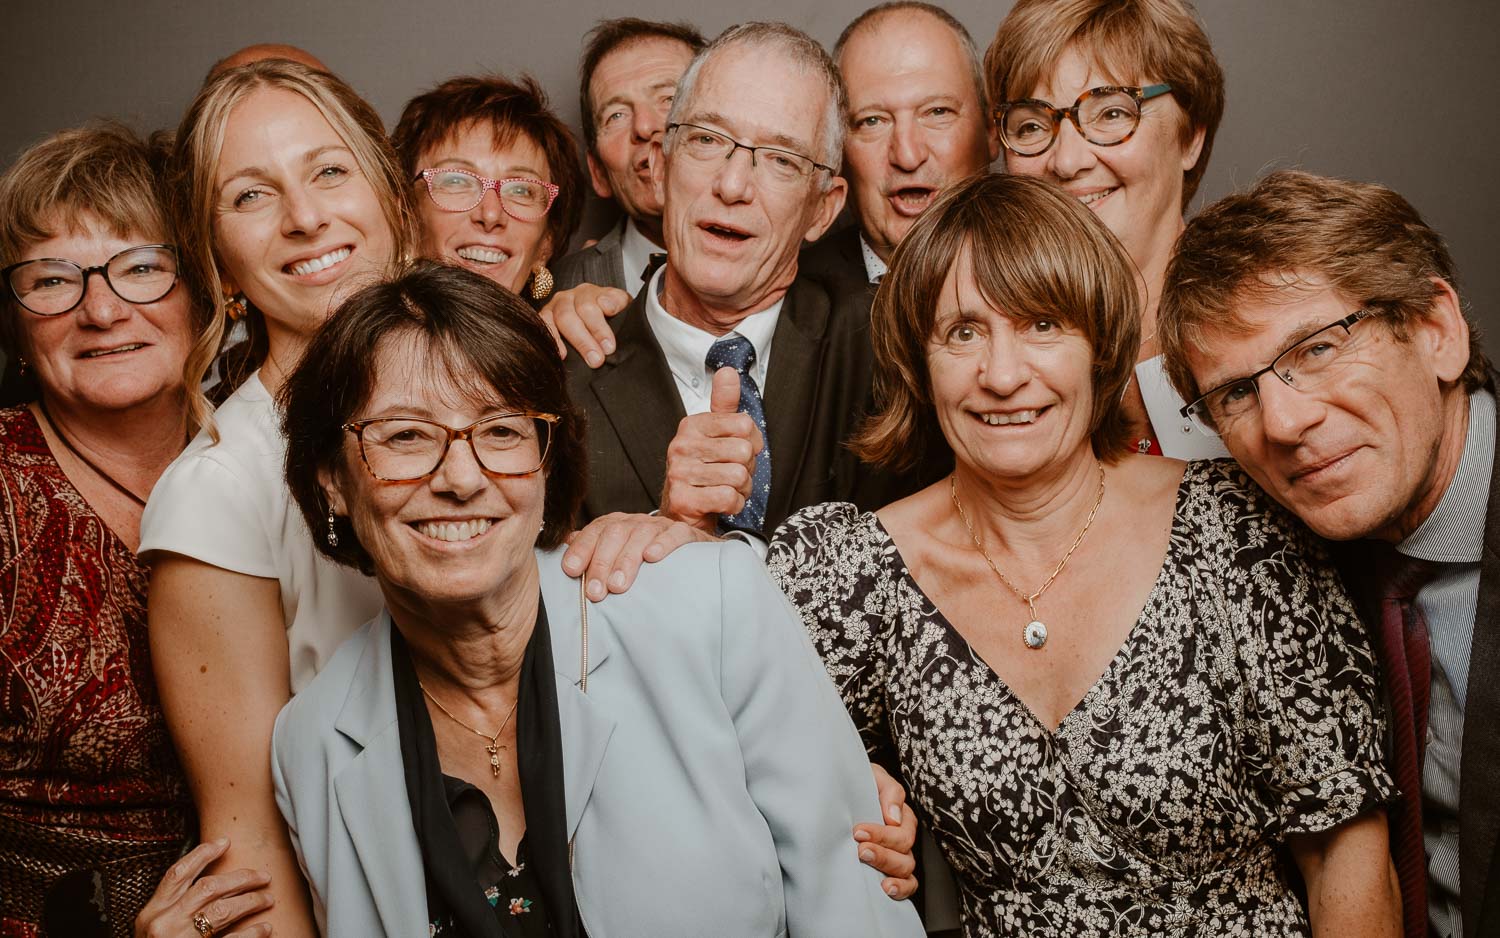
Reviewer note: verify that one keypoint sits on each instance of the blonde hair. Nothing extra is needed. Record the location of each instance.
(1036, 253)
(200, 138)
(1129, 40)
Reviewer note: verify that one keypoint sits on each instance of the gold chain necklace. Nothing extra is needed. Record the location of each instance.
(1035, 633)
(494, 747)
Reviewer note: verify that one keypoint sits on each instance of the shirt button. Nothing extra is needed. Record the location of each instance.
(697, 382)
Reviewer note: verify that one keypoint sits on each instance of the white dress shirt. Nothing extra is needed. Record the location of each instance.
(635, 253)
(686, 347)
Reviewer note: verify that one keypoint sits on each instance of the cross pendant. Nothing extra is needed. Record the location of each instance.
(494, 750)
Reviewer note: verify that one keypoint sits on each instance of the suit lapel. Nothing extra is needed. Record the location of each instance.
(610, 255)
(792, 386)
(1479, 776)
(586, 727)
(373, 785)
(635, 391)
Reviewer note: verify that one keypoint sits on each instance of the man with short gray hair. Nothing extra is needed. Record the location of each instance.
(735, 381)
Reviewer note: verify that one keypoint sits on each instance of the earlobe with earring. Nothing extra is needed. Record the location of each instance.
(541, 282)
(236, 307)
(333, 535)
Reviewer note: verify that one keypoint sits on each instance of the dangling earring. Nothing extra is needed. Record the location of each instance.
(333, 535)
(236, 307)
(541, 282)
(21, 366)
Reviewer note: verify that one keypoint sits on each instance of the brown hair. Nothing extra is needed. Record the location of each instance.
(103, 169)
(1036, 253)
(513, 109)
(1129, 40)
(606, 37)
(200, 137)
(477, 332)
(1369, 242)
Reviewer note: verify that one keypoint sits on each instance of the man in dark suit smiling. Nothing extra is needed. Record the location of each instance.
(1314, 325)
(735, 381)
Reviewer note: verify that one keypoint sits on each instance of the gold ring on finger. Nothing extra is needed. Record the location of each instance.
(202, 925)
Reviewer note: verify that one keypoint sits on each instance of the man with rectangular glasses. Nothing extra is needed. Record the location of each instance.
(735, 381)
(1314, 325)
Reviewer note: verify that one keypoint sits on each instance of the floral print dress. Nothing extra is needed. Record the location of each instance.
(1242, 708)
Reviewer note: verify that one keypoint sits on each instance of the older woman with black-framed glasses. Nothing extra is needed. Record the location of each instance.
(1146, 97)
(93, 807)
(473, 135)
(493, 755)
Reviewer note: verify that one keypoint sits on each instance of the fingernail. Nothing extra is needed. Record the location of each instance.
(861, 836)
(890, 891)
(221, 842)
(609, 347)
(571, 565)
(596, 589)
(595, 359)
(617, 580)
(867, 855)
(894, 813)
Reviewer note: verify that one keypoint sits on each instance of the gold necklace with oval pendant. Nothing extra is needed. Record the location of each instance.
(1035, 632)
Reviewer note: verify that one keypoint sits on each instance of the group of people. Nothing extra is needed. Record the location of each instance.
(432, 579)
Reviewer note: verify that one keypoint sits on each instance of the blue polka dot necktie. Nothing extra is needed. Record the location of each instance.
(735, 351)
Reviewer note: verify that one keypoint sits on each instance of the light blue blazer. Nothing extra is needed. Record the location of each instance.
(712, 773)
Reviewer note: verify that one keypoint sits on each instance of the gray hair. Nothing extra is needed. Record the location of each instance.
(966, 41)
(804, 51)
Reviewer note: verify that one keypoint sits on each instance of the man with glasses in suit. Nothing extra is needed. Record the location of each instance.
(1314, 325)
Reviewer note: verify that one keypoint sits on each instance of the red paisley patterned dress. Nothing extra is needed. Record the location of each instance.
(88, 777)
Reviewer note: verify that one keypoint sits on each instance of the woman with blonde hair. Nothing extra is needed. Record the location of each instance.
(288, 200)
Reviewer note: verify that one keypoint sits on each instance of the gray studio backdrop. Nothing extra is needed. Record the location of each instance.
(1401, 92)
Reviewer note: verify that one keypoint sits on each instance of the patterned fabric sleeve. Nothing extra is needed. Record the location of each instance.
(1314, 726)
(827, 563)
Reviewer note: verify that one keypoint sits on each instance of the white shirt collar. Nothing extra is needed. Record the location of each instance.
(686, 346)
(635, 253)
(875, 268)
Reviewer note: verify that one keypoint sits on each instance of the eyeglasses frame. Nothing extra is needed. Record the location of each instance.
(357, 427)
(485, 185)
(736, 145)
(86, 272)
(1141, 94)
(1346, 323)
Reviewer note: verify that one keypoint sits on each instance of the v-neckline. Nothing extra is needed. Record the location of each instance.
(116, 536)
(1126, 646)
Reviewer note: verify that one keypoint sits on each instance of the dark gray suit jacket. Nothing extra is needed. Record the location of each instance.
(1479, 763)
(599, 263)
(817, 392)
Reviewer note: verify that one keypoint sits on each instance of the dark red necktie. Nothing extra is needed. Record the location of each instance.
(1406, 661)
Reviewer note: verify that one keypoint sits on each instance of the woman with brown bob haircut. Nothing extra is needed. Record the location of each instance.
(1117, 686)
(1117, 102)
(93, 806)
(473, 134)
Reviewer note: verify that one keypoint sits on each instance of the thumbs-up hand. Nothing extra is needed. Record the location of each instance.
(711, 460)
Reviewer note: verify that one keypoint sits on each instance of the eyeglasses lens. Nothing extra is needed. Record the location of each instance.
(53, 287)
(460, 192)
(400, 450)
(1104, 119)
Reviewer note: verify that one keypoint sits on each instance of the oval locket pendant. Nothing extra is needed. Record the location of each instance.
(1035, 634)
